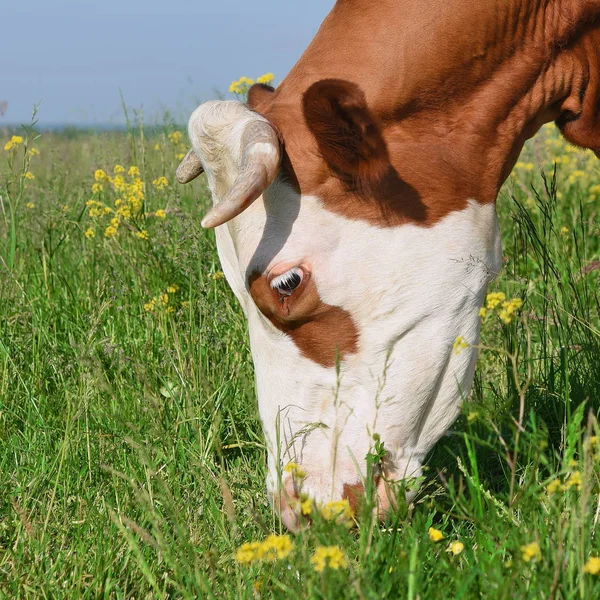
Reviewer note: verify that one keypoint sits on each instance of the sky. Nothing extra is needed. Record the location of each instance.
(74, 57)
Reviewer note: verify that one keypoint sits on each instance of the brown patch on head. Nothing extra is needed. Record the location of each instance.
(321, 332)
(349, 140)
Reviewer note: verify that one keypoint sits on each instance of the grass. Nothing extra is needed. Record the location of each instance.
(131, 459)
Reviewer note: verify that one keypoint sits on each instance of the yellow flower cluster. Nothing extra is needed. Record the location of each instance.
(435, 535)
(455, 547)
(162, 302)
(241, 86)
(120, 198)
(592, 566)
(574, 481)
(339, 511)
(14, 141)
(160, 183)
(531, 552)
(508, 308)
(295, 470)
(266, 79)
(272, 548)
(330, 557)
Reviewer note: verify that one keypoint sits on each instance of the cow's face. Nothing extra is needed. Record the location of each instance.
(352, 322)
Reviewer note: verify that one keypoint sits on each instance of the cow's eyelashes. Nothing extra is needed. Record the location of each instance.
(287, 282)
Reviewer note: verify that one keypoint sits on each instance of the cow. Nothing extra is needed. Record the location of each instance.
(355, 219)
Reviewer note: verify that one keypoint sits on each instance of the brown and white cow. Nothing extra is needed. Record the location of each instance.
(355, 217)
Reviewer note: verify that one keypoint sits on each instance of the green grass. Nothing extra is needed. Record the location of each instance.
(132, 463)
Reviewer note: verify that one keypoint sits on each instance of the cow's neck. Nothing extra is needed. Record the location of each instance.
(457, 87)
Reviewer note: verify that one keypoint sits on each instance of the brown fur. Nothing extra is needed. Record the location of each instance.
(401, 110)
(322, 332)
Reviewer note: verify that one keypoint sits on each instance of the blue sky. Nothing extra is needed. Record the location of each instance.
(75, 55)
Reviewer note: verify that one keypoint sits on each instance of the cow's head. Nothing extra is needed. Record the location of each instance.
(360, 244)
(352, 321)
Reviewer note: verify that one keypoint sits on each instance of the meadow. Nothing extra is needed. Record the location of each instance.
(132, 463)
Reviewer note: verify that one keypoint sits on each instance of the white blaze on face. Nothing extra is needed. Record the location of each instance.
(410, 292)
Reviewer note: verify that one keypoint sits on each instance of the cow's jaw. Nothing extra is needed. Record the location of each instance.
(409, 291)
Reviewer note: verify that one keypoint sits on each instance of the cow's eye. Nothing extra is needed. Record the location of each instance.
(287, 282)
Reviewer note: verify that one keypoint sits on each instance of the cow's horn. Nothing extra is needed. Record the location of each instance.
(261, 154)
(189, 168)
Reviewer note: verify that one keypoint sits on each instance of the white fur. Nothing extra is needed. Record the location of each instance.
(410, 291)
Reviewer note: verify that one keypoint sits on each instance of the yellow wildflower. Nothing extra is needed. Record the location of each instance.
(295, 470)
(328, 557)
(592, 566)
(573, 463)
(99, 175)
(218, 275)
(66, 208)
(180, 155)
(274, 547)
(118, 183)
(266, 78)
(28, 175)
(164, 299)
(149, 306)
(115, 222)
(482, 312)
(30, 205)
(435, 535)
(133, 172)
(492, 300)
(574, 481)
(14, 141)
(143, 235)
(339, 511)
(175, 137)
(160, 213)
(106, 210)
(459, 344)
(110, 231)
(554, 486)
(509, 308)
(90, 233)
(306, 506)
(97, 188)
(173, 288)
(456, 548)
(119, 169)
(161, 183)
(124, 211)
(564, 230)
(33, 152)
(157, 146)
(472, 416)
(531, 552)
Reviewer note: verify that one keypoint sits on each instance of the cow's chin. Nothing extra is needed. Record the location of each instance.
(300, 498)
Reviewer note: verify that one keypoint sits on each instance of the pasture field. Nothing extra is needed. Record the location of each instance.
(132, 463)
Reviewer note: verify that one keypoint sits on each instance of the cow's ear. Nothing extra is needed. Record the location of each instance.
(344, 128)
(580, 120)
(258, 94)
